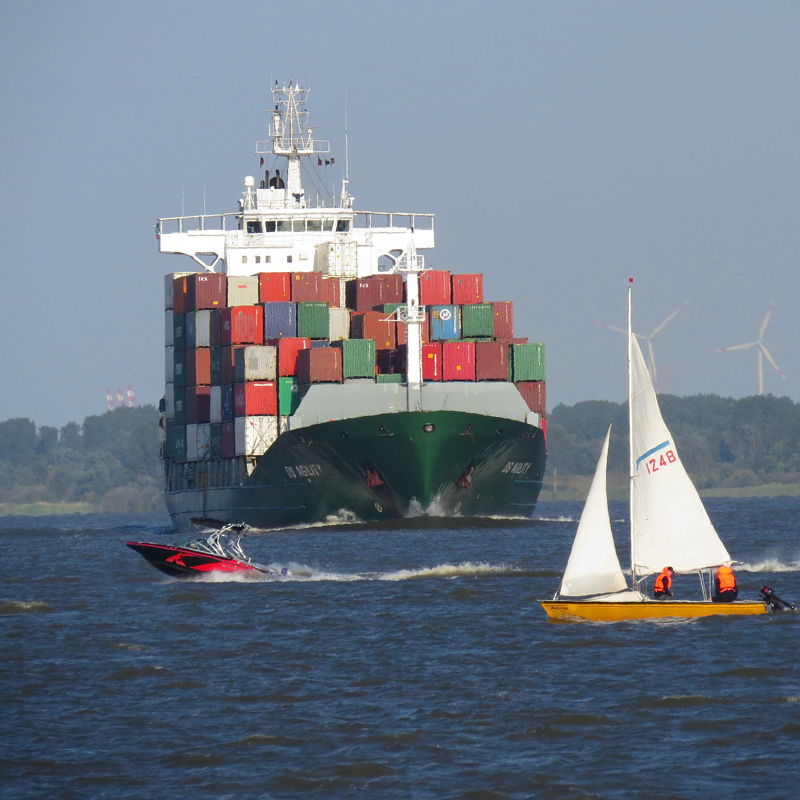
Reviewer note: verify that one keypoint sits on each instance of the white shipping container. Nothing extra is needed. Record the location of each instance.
(169, 400)
(169, 331)
(255, 363)
(198, 329)
(168, 278)
(283, 425)
(169, 364)
(198, 442)
(339, 323)
(242, 290)
(254, 435)
(216, 404)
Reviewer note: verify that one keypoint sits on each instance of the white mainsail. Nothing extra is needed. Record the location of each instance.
(669, 525)
(593, 567)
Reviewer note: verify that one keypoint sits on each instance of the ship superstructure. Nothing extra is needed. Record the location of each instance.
(316, 369)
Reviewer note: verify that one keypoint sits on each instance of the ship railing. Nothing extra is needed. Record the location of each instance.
(382, 220)
(211, 223)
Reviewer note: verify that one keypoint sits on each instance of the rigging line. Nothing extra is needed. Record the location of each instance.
(327, 192)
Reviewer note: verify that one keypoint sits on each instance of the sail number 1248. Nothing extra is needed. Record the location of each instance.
(665, 459)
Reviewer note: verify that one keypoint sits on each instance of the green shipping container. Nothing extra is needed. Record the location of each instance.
(179, 331)
(179, 443)
(169, 438)
(289, 396)
(390, 308)
(477, 319)
(527, 362)
(216, 366)
(216, 440)
(358, 358)
(390, 379)
(313, 320)
(180, 370)
(179, 405)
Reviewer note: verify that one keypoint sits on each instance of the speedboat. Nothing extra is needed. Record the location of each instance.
(219, 552)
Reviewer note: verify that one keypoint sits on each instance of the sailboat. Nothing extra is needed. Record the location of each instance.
(668, 526)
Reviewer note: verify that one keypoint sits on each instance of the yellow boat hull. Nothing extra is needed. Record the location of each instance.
(594, 611)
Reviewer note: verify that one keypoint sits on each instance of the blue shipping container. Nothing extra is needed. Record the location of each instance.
(280, 320)
(445, 322)
(227, 404)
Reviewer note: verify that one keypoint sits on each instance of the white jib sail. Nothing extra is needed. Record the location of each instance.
(593, 567)
(669, 526)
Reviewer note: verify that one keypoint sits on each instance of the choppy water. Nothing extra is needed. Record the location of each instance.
(403, 663)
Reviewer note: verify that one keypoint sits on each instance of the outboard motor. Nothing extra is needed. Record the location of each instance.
(774, 603)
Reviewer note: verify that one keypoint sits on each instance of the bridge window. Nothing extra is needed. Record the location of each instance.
(270, 226)
(314, 225)
(244, 259)
(288, 259)
(267, 259)
(254, 226)
(258, 259)
(342, 225)
(284, 225)
(299, 225)
(327, 224)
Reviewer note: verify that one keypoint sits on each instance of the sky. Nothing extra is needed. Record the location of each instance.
(563, 146)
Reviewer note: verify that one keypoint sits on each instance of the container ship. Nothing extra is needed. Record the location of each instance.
(317, 371)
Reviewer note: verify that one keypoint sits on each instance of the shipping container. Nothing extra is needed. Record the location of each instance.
(467, 289)
(215, 406)
(534, 394)
(386, 362)
(243, 290)
(477, 320)
(242, 325)
(492, 362)
(198, 442)
(288, 349)
(445, 322)
(180, 369)
(216, 440)
(180, 288)
(358, 358)
(274, 287)
(395, 378)
(229, 439)
(206, 290)
(435, 288)
(227, 404)
(283, 425)
(168, 450)
(198, 404)
(338, 324)
(179, 332)
(198, 367)
(169, 364)
(432, 361)
(280, 320)
(374, 325)
(527, 362)
(254, 435)
(394, 287)
(319, 365)
(306, 287)
(289, 396)
(331, 292)
(179, 405)
(320, 343)
(202, 328)
(504, 320)
(179, 442)
(256, 363)
(169, 400)
(365, 294)
(169, 290)
(313, 320)
(169, 328)
(458, 361)
(255, 398)
(228, 359)
(216, 366)
(360, 380)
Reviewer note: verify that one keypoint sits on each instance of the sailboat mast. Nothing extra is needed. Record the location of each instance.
(630, 430)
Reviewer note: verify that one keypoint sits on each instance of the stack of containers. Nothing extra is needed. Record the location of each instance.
(241, 349)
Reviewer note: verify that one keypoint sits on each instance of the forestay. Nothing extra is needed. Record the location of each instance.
(669, 526)
(593, 566)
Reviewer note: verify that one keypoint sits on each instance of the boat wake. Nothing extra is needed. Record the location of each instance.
(769, 565)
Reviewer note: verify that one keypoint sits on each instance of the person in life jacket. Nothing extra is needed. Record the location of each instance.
(727, 590)
(663, 587)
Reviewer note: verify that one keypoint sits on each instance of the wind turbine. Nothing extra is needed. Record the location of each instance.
(648, 339)
(762, 351)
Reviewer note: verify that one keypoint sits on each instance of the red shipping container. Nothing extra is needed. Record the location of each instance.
(307, 287)
(241, 325)
(229, 362)
(331, 292)
(432, 361)
(387, 361)
(206, 290)
(288, 348)
(274, 287)
(534, 393)
(513, 341)
(180, 286)
(401, 331)
(319, 365)
(434, 288)
(458, 361)
(467, 289)
(491, 361)
(228, 439)
(504, 320)
(198, 404)
(198, 367)
(255, 399)
(366, 294)
(394, 287)
(374, 325)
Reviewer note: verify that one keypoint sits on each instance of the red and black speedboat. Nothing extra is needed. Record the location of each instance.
(220, 552)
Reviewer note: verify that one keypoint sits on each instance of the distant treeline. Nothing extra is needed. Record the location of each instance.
(722, 442)
(110, 462)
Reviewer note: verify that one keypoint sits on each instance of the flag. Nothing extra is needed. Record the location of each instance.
(327, 163)
(333, 161)
(319, 161)
(262, 161)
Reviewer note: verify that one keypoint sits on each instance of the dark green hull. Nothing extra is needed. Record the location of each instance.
(380, 467)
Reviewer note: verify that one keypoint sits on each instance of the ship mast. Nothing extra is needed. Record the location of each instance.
(412, 265)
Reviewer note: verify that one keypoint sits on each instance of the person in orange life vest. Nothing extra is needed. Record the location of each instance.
(663, 587)
(727, 590)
